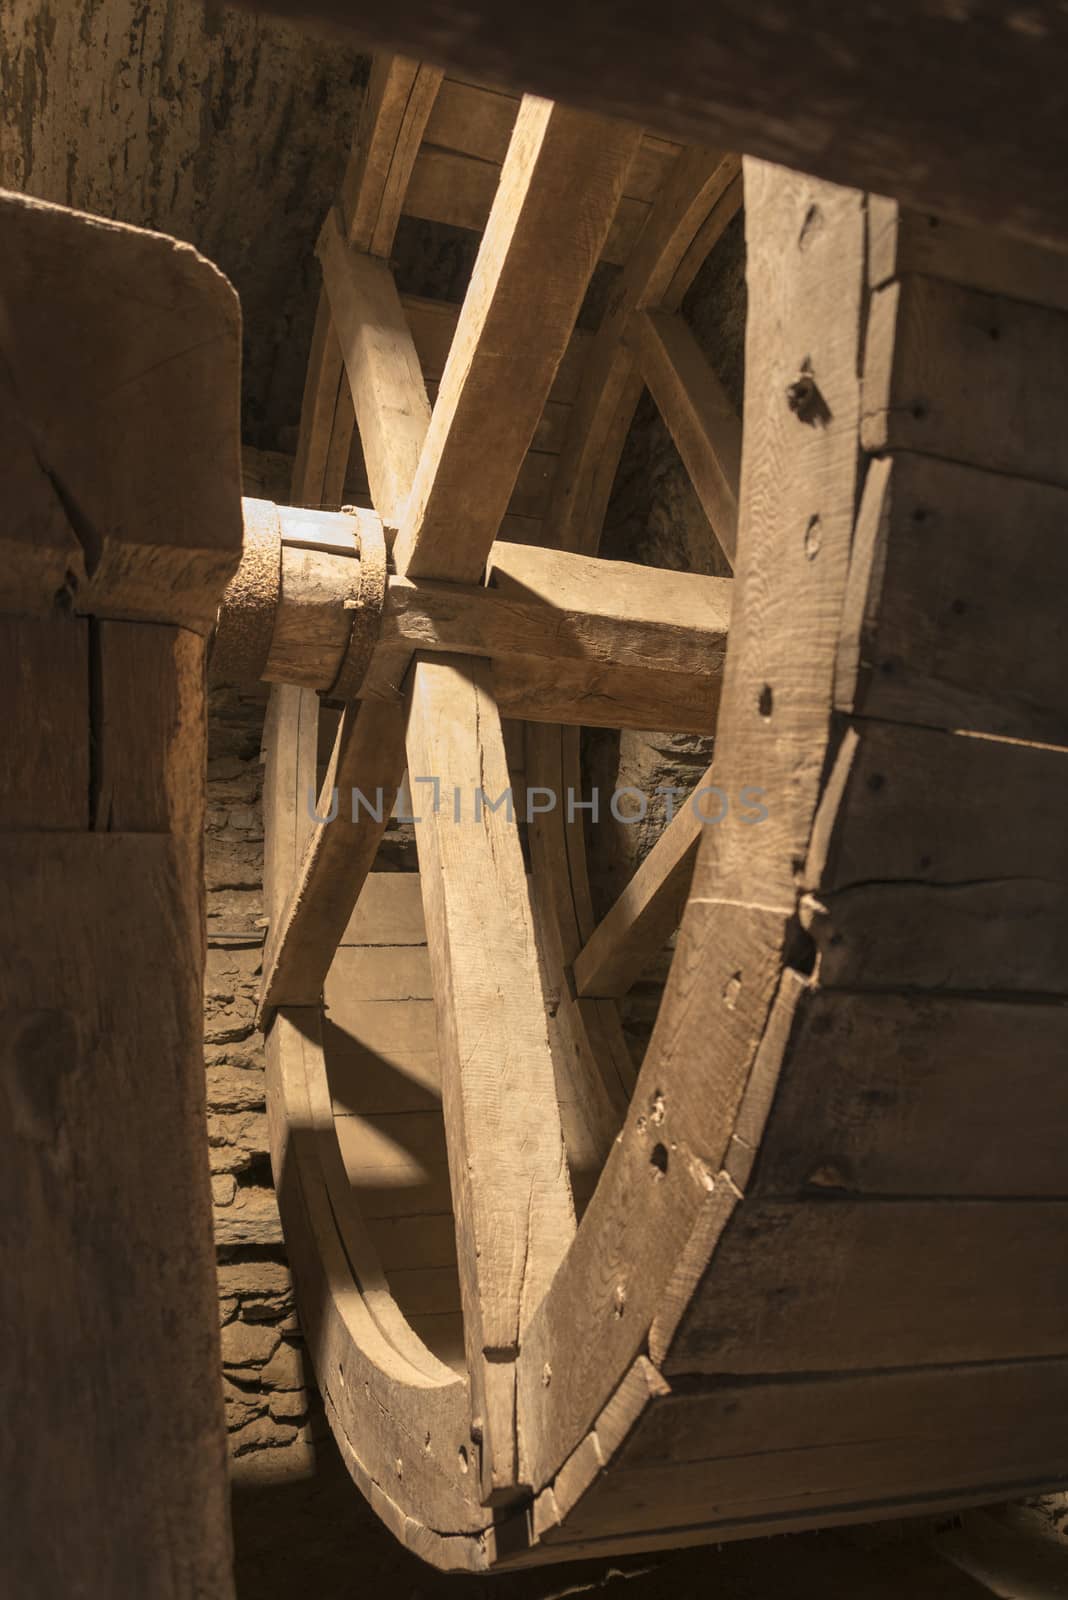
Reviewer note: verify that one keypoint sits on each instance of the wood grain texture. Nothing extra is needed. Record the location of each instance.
(956, 848)
(388, 393)
(539, 250)
(123, 1491)
(945, 623)
(91, 362)
(909, 1095)
(902, 241)
(856, 1441)
(829, 1285)
(511, 1194)
(699, 414)
(945, 367)
(44, 666)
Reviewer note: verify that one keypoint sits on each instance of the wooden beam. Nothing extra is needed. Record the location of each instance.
(572, 639)
(367, 760)
(940, 106)
(508, 1171)
(560, 185)
(388, 392)
(699, 414)
(642, 919)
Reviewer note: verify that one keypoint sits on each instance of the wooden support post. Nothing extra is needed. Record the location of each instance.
(560, 186)
(511, 1193)
(123, 350)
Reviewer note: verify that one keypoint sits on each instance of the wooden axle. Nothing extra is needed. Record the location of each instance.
(572, 639)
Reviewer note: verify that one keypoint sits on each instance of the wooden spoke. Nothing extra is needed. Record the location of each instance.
(361, 783)
(699, 414)
(386, 384)
(400, 98)
(559, 189)
(511, 1194)
(398, 102)
(697, 202)
(633, 932)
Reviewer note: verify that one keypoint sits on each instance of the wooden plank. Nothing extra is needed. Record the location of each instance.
(699, 414)
(400, 97)
(91, 362)
(510, 1188)
(103, 1029)
(388, 394)
(645, 913)
(943, 610)
(902, 241)
(44, 666)
(537, 255)
(459, 191)
(830, 1444)
(368, 757)
(944, 367)
(895, 102)
(915, 818)
(912, 1095)
(831, 1285)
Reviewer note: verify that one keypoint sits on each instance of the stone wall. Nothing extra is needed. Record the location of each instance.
(269, 1396)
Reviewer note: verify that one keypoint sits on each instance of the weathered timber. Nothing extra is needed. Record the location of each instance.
(955, 848)
(944, 622)
(388, 393)
(559, 189)
(511, 1194)
(150, 533)
(871, 1082)
(805, 301)
(829, 1284)
(944, 366)
(857, 1440)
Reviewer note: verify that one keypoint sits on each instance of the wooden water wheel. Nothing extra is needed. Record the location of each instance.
(808, 1266)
